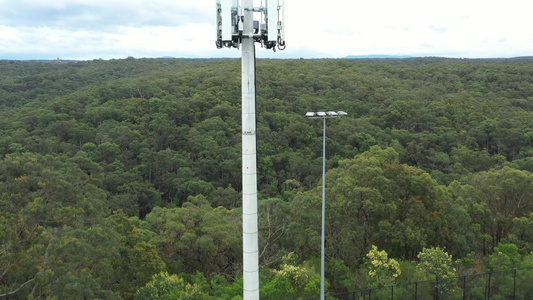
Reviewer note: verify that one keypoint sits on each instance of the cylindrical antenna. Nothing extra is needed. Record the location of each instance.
(283, 20)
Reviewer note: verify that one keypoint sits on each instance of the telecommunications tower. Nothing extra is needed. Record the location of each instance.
(241, 25)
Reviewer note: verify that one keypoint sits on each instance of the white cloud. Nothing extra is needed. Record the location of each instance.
(8, 36)
(87, 29)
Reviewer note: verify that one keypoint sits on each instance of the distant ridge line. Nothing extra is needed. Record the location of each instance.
(377, 56)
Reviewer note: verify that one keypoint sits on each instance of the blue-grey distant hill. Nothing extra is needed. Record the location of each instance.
(377, 56)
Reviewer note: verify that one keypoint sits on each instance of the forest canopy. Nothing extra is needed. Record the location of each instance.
(121, 178)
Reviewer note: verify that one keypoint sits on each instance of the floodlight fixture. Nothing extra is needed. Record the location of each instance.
(327, 114)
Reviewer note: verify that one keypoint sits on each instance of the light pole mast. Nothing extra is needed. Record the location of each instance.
(236, 27)
(323, 115)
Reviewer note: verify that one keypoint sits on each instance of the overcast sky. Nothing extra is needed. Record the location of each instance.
(92, 29)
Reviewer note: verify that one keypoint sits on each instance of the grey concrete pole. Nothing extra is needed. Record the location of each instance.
(249, 160)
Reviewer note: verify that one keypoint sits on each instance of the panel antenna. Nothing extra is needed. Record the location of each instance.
(267, 29)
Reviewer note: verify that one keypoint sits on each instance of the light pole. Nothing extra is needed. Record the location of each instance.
(323, 115)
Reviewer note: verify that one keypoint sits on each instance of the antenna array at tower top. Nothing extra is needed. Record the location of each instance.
(267, 30)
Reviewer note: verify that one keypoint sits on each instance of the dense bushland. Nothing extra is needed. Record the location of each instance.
(121, 178)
